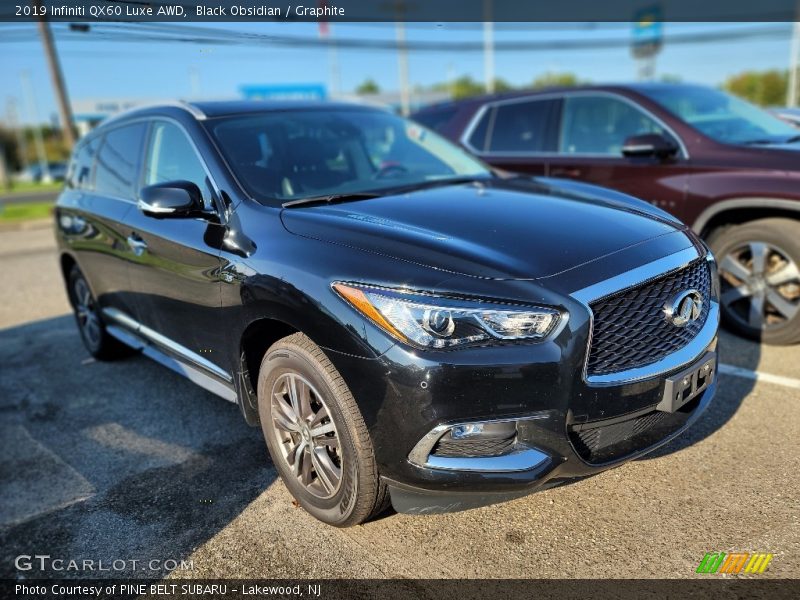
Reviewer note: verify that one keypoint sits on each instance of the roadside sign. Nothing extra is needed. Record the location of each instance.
(647, 33)
(304, 91)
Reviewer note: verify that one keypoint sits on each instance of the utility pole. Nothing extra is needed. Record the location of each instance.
(402, 64)
(488, 46)
(335, 77)
(57, 78)
(33, 115)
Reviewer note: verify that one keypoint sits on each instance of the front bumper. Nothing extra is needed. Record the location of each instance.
(406, 395)
(554, 470)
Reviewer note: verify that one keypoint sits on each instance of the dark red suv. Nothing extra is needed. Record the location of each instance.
(727, 168)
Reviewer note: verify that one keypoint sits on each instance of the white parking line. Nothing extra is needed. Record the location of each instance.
(759, 376)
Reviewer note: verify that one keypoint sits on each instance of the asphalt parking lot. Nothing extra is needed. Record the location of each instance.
(128, 461)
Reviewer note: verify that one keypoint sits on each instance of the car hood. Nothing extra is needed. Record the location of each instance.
(500, 230)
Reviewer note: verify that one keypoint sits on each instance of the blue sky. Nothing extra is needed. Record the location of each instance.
(105, 69)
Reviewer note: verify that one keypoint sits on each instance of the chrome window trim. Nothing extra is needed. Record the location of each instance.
(186, 106)
(638, 276)
(138, 328)
(464, 139)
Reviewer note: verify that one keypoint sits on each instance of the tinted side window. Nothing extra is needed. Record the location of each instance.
(80, 168)
(524, 127)
(601, 124)
(171, 157)
(116, 170)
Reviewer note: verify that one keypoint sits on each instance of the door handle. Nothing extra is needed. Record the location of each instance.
(137, 244)
(566, 172)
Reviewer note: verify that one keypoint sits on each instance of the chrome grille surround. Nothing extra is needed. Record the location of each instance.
(641, 276)
(630, 329)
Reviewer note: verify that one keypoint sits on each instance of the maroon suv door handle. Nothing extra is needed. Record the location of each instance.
(566, 172)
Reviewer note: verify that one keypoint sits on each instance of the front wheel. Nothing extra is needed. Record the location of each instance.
(760, 279)
(316, 434)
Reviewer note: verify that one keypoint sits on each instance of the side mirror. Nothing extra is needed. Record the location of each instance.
(649, 144)
(172, 200)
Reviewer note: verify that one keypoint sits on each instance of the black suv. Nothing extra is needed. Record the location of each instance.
(404, 324)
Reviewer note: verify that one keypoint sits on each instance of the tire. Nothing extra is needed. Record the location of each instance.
(98, 342)
(760, 303)
(330, 423)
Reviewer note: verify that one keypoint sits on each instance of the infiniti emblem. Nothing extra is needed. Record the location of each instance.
(684, 308)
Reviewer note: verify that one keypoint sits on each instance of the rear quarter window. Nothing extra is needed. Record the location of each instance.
(524, 126)
(81, 165)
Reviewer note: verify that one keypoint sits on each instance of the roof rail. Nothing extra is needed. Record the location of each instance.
(190, 108)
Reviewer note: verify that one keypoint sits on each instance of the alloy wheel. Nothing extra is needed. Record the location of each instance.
(86, 311)
(760, 285)
(306, 435)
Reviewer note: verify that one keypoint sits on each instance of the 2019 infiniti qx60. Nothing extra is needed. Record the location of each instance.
(404, 325)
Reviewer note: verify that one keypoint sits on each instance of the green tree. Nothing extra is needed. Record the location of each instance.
(501, 86)
(464, 87)
(368, 86)
(553, 79)
(767, 88)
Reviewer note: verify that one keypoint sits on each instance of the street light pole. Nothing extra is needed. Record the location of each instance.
(488, 46)
(33, 116)
(794, 64)
(57, 78)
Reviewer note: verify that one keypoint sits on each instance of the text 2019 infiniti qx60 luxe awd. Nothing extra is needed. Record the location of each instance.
(403, 324)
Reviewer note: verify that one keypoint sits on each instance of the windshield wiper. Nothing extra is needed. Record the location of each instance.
(331, 198)
(765, 142)
(761, 142)
(431, 183)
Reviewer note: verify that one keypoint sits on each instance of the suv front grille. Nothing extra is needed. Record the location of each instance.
(600, 442)
(629, 328)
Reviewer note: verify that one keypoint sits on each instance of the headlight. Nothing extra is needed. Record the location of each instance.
(439, 322)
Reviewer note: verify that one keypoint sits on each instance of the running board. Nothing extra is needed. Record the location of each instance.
(193, 374)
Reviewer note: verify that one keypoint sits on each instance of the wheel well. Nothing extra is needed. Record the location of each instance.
(256, 340)
(67, 262)
(737, 216)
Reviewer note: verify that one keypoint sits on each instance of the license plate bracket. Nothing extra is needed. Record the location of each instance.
(688, 384)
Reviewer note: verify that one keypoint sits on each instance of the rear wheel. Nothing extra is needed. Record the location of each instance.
(760, 279)
(316, 434)
(98, 342)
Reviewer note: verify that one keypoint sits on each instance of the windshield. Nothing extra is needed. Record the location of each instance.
(282, 156)
(721, 116)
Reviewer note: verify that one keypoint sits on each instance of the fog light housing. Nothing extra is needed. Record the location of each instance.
(484, 429)
(477, 446)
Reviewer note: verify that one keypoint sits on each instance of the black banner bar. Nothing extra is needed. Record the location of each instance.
(713, 586)
(187, 11)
